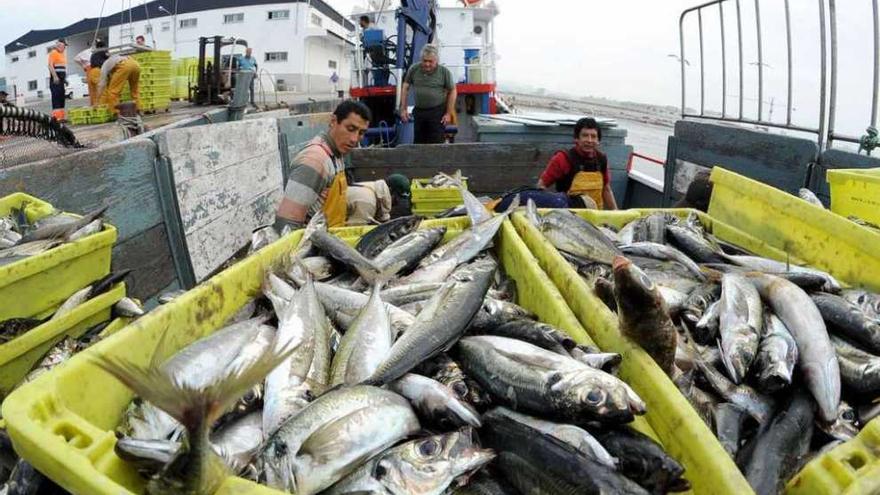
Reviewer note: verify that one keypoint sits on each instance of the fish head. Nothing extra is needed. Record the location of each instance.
(429, 465)
(597, 394)
(823, 380)
(845, 426)
(633, 289)
(738, 352)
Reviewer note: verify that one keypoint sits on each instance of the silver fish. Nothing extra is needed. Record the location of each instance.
(769, 266)
(365, 345)
(441, 323)
(333, 436)
(816, 357)
(810, 197)
(777, 355)
(435, 401)
(662, 252)
(90, 228)
(572, 234)
(343, 306)
(740, 324)
(426, 466)
(128, 307)
(535, 380)
(577, 437)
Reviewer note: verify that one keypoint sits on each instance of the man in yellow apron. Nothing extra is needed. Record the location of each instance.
(317, 175)
(116, 72)
(582, 171)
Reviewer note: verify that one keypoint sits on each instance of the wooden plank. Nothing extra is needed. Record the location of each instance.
(228, 182)
(199, 150)
(215, 194)
(119, 175)
(211, 244)
(144, 253)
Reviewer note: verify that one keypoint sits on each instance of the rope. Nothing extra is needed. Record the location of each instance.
(98, 27)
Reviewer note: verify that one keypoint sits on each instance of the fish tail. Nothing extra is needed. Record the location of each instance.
(189, 405)
(475, 209)
(379, 276)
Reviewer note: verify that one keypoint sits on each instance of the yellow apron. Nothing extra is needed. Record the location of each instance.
(335, 205)
(588, 184)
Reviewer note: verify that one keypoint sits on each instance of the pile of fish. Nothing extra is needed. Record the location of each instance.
(19, 476)
(125, 307)
(372, 370)
(442, 180)
(763, 350)
(20, 238)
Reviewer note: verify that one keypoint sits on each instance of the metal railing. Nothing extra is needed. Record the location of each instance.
(824, 127)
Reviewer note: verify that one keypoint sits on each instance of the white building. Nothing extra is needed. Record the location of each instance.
(298, 44)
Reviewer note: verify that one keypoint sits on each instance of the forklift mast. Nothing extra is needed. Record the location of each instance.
(212, 86)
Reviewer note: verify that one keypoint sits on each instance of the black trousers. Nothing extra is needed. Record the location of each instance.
(427, 126)
(57, 91)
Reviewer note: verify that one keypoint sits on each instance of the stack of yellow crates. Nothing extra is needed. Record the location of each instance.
(155, 81)
(184, 75)
(98, 114)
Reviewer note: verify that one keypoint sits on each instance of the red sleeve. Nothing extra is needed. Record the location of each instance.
(556, 169)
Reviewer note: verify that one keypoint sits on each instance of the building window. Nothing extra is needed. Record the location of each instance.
(331, 64)
(32, 85)
(276, 56)
(166, 26)
(188, 23)
(32, 54)
(232, 18)
(14, 59)
(276, 15)
(316, 19)
(148, 29)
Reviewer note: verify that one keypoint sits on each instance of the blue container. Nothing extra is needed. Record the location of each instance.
(374, 37)
(405, 132)
(470, 54)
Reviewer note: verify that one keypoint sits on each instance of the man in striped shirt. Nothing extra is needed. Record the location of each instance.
(317, 177)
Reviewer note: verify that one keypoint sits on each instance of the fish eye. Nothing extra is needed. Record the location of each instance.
(848, 415)
(647, 282)
(429, 448)
(460, 389)
(595, 396)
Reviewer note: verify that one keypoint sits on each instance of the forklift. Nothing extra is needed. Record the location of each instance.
(216, 76)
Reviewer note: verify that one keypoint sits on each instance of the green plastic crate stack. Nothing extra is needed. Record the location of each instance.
(155, 80)
(89, 115)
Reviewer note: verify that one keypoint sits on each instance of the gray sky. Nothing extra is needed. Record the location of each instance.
(619, 50)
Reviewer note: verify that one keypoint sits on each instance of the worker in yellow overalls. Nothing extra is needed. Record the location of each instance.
(582, 171)
(93, 73)
(115, 73)
(317, 175)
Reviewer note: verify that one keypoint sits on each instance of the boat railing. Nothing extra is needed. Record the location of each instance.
(824, 126)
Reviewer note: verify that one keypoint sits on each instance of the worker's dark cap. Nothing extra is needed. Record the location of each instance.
(398, 184)
(4, 93)
(62, 40)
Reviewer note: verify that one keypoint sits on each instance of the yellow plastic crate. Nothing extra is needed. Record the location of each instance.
(421, 193)
(679, 428)
(63, 421)
(35, 284)
(856, 192)
(819, 237)
(18, 356)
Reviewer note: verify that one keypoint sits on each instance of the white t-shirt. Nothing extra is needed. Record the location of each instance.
(84, 57)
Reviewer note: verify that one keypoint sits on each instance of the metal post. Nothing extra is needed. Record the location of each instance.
(681, 59)
(876, 86)
(739, 29)
(760, 61)
(822, 82)
(723, 62)
(832, 98)
(702, 66)
(788, 46)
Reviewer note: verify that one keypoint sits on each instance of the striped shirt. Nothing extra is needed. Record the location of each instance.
(311, 175)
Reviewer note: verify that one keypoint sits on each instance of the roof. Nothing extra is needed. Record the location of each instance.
(151, 10)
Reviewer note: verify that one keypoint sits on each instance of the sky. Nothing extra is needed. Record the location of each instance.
(619, 49)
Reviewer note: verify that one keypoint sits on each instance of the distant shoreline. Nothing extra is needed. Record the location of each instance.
(662, 116)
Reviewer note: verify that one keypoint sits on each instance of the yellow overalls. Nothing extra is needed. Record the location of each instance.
(335, 206)
(93, 78)
(126, 71)
(590, 184)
